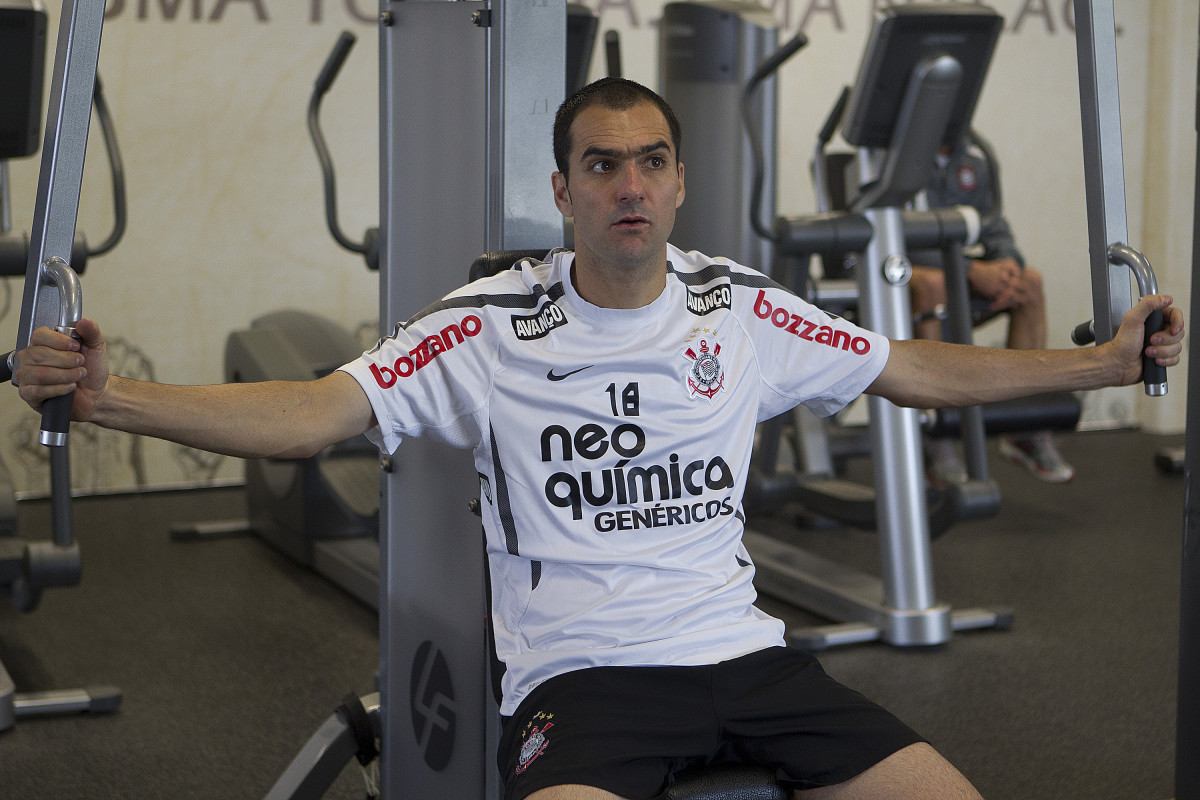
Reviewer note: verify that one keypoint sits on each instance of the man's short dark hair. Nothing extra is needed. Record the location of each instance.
(617, 94)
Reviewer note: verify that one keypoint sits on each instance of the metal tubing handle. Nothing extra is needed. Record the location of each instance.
(56, 412)
(1154, 377)
(333, 64)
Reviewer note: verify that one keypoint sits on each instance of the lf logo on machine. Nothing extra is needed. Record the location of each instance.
(432, 701)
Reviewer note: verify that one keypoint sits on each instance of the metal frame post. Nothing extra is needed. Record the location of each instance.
(69, 115)
(492, 75)
(52, 295)
(1187, 718)
(1104, 175)
(914, 616)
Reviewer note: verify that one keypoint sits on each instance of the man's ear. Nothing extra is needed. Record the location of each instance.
(562, 194)
(682, 192)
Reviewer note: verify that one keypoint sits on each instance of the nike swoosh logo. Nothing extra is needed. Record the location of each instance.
(551, 375)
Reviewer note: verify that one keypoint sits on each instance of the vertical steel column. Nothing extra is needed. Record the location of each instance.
(1187, 719)
(1100, 112)
(468, 91)
(68, 117)
(1104, 175)
(913, 616)
(527, 67)
(53, 297)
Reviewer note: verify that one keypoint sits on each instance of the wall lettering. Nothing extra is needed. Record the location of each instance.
(1051, 16)
(361, 11)
(317, 11)
(796, 14)
(627, 5)
(1041, 8)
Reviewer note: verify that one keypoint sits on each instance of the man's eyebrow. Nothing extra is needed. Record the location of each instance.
(605, 152)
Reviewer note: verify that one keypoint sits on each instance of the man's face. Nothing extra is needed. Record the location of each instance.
(624, 185)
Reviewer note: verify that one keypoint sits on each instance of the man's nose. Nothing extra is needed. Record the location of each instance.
(631, 186)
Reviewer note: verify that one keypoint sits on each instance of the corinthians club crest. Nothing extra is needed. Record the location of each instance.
(706, 376)
(534, 745)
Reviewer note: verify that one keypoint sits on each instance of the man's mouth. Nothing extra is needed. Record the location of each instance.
(630, 222)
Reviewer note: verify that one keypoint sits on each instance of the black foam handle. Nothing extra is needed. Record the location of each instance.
(333, 64)
(56, 414)
(1153, 375)
(835, 116)
(612, 53)
(1083, 333)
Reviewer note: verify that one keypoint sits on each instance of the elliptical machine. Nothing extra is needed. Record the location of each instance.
(917, 88)
(323, 511)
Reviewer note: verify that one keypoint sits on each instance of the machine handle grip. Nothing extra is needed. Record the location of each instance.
(764, 70)
(1084, 333)
(1154, 376)
(333, 64)
(56, 413)
(56, 420)
(612, 53)
(835, 116)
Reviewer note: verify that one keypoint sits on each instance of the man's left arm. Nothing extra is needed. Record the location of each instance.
(932, 374)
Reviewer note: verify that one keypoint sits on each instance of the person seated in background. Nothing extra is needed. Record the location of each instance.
(998, 273)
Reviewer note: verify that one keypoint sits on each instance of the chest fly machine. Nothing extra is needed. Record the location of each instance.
(491, 73)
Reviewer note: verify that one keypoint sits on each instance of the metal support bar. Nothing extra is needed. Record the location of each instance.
(1187, 725)
(53, 297)
(502, 63)
(958, 289)
(900, 607)
(324, 756)
(1104, 176)
(896, 441)
(63, 151)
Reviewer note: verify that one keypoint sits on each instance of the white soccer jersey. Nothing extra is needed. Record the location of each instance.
(613, 447)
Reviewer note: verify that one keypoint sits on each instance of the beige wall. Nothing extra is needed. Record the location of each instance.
(225, 218)
(225, 211)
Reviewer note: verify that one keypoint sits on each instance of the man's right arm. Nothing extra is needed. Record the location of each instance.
(280, 419)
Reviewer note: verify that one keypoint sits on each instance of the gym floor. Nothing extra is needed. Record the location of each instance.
(230, 656)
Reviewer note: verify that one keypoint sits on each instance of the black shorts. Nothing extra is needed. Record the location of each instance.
(629, 730)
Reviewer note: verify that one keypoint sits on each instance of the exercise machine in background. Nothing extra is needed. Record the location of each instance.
(22, 62)
(918, 86)
(324, 511)
(709, 50)
(886, 172)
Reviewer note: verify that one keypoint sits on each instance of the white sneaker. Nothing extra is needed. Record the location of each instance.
(1037, 454)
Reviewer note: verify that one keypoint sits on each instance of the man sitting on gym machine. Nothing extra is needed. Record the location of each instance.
(964, 175)
(625, 622)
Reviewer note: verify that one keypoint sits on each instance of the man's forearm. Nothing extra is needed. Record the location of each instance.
(932, 374)
(275, 419)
